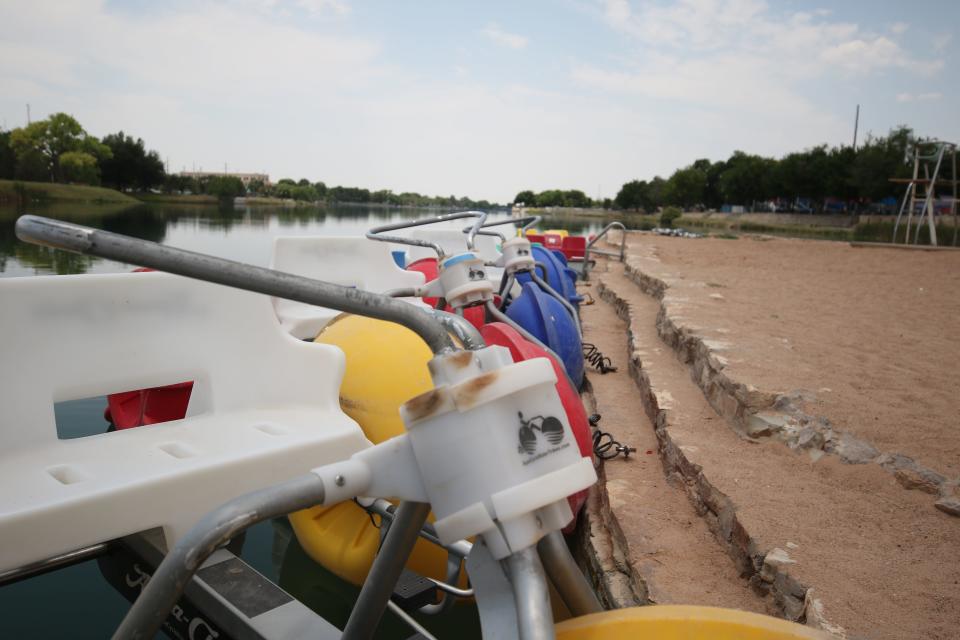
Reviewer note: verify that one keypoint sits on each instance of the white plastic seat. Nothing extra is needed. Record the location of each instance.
(264, 407)
(349, 261)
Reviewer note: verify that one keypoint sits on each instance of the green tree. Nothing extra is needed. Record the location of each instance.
(79, 166)
(32, 165)
(686, 187)
(880, 159)
(8, 159)
(747, 178)
(226, 188)
(575, 198)
(51, 138)
(632, 195)
(526, 197)
(130, 165)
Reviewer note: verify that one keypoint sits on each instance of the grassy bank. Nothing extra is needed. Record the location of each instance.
(883, 232)
(171, 198)
(873, 231)
(793, 230)
(19, 193)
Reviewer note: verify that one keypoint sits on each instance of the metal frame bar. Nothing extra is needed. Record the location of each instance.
(67, 559)
(603, 232)
(929, 195)
(484, 229)
(566, 576)
(147, 614)
(526, 221)
(530, 593)
(374, 596)
(375, 233)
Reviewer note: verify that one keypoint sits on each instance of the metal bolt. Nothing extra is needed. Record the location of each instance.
(339, 480)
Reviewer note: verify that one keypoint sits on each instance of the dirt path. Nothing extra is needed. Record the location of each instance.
(879, 560)
(669, 546)
(869, 337)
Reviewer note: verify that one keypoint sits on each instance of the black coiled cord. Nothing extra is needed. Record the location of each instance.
(596, 359)
(604, 446)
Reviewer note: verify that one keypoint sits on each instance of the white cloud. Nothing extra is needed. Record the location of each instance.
(941, 41)
(504, 38)
(899, 27)
(337, 7)
(736, 61)
(919, 97)
(801, 41)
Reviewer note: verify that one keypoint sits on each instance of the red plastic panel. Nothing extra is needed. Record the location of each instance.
(574, 247)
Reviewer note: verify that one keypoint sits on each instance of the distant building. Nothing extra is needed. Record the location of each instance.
(245, 178)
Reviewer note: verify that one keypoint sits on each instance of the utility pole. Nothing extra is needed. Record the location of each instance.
(856, 123)
(28, 114)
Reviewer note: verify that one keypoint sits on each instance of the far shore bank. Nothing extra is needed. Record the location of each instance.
(22, 193)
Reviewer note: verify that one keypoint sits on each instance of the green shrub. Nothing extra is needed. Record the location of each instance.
(668, 215)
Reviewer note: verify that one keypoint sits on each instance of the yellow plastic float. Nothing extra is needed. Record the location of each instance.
(681, 622)
(386, 366)
(563, 233)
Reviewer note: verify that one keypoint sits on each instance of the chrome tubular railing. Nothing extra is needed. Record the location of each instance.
(590, 249)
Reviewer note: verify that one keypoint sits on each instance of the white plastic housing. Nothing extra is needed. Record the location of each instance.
(496, 454)
(462, 281)
(517, 256)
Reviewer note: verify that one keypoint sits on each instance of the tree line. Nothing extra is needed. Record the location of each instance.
(58, 149)
(809, 180)
(815, 179)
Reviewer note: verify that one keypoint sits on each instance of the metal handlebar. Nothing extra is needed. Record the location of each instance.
(80, 239)
(603, 232)
(527, 221)
(374, 234)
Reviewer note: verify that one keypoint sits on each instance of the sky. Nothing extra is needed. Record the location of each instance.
(480, 99)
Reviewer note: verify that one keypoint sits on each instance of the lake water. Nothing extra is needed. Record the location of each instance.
(77, 602)
(241, 233)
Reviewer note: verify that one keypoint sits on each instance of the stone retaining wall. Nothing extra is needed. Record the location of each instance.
(763, 568)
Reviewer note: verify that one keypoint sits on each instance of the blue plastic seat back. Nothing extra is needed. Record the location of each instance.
(570, 273)
(546, 318)
(557, 276)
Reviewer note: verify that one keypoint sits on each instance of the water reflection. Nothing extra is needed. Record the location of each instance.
(241, 232)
